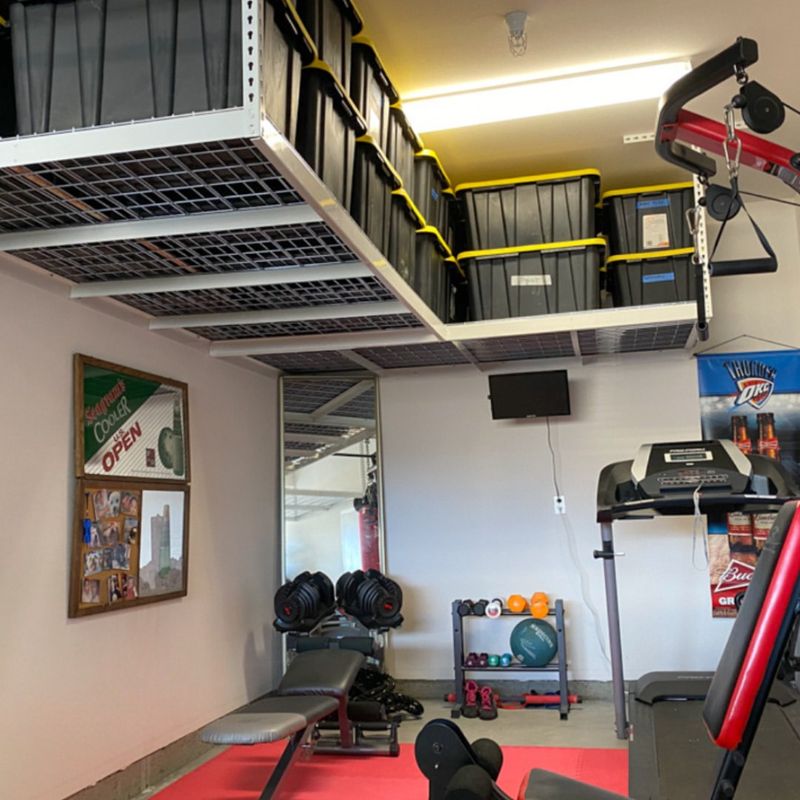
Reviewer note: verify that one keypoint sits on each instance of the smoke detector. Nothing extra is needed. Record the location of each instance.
(517, 22)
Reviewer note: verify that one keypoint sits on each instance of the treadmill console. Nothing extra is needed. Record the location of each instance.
(681, 467)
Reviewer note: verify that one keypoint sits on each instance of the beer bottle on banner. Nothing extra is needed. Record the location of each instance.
(740, 435)
(768, 444)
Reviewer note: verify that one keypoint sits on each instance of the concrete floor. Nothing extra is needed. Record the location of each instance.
(590, 724)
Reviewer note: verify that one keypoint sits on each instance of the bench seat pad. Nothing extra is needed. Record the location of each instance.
(544, 785)
(321, 672)
(269, 720)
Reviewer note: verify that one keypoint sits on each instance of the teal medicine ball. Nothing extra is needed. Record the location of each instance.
(534, 642)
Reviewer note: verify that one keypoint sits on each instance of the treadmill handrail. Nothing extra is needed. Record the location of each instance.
(627, 510)
(740, 55)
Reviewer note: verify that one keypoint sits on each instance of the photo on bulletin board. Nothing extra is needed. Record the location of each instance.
(129, 424)
(130, 544)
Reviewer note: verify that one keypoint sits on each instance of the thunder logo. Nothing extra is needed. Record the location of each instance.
(755, 382)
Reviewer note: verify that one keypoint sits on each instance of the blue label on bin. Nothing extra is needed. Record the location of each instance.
(658, 277)
(434, 194)
(663, 203)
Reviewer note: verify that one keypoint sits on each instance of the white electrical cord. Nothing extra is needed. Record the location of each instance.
(572, 547)
(697, 521)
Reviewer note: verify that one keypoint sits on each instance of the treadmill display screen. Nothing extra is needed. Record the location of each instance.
(687, 456)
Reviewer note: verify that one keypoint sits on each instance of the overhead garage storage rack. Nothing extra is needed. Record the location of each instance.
(211, 222)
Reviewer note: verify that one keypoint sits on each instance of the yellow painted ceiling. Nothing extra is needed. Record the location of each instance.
(427, 44)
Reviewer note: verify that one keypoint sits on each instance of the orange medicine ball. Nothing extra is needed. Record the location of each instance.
(516, 603)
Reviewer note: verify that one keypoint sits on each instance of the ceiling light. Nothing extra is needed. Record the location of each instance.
(537, 98)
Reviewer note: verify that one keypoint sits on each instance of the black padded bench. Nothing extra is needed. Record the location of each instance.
(315, 686)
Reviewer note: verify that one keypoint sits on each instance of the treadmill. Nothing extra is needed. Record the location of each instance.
(670, 753)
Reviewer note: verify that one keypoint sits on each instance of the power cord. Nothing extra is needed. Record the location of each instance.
(572, 547)
(697, 521)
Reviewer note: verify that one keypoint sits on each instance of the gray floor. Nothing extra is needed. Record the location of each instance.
(590, 724)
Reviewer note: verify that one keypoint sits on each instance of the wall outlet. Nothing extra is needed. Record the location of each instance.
(559, 504)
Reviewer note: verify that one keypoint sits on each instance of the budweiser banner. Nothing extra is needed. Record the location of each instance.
(753, 399)
(130, 424)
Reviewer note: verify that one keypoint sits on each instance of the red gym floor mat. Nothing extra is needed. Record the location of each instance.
(240, 773)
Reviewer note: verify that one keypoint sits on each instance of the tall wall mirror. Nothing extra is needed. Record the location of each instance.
(332, 499)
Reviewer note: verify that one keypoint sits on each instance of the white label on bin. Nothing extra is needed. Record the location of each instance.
(531, 280)
(655, 231)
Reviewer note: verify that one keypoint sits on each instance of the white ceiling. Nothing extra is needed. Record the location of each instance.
(427, 44)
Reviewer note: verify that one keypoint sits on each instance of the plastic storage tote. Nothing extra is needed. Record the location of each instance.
(332, 25)
(649, 218)
(536, 279)
(646, 278)
(371, 90)
(537, 209)
(287, 47)
(431, 189)
(84, 63)
(373, 183)
(404, 221)
(402, 146)
(433, 261)
(327, 129)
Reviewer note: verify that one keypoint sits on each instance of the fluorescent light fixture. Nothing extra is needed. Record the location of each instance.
(537, 98)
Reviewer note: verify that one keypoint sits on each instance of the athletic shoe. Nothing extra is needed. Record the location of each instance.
(469, 708)
(488, 707)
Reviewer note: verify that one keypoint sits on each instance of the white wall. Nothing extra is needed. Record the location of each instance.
(469, 501)
(82, 698)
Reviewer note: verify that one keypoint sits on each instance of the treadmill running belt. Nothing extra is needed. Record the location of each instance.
(687, 761)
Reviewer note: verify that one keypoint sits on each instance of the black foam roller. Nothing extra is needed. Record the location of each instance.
(470, 783)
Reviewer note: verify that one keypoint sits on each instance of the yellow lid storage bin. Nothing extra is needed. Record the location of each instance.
(640, 279)
(649, 218)
(537, 209)
(533, 280)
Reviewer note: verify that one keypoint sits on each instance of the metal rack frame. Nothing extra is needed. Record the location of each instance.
(559, 666)
(139, 196)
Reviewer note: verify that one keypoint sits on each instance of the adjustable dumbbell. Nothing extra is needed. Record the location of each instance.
(372, 598)
(301, 604)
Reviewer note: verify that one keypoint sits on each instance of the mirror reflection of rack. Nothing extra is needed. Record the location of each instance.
(332, 507)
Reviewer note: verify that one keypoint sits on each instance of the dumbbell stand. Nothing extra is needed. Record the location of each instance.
(559, 665)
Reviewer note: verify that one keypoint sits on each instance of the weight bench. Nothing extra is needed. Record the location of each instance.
(315, 686)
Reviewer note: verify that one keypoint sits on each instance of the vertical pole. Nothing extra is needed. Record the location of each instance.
(458, 659)
(562, 660)
(614, 637)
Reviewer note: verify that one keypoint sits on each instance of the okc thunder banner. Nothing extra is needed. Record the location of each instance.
(754, 400)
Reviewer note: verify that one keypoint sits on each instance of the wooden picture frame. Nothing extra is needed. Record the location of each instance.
(129, 424)
(118, 525)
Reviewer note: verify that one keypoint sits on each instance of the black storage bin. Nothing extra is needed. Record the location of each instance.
(533, 280)
(287, 48)
(373, 184)
(649, 218)
(8, 108)
(87, 62)
(537, 209)
(431, 189)
(327, 130)
(402, 146)
(372, 90)
(456, 228)
(332, 24)
(432, 263)
(646, 278)
(404, 221)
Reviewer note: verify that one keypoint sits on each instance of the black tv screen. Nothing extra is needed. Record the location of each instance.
(529, 394)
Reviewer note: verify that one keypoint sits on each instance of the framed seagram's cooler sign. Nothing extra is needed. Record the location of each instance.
(130, 537)
(129, 424)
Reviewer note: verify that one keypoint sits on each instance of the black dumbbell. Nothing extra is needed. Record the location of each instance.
(301, 604)
(372, 598)
(465, 608)
(479, 608)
